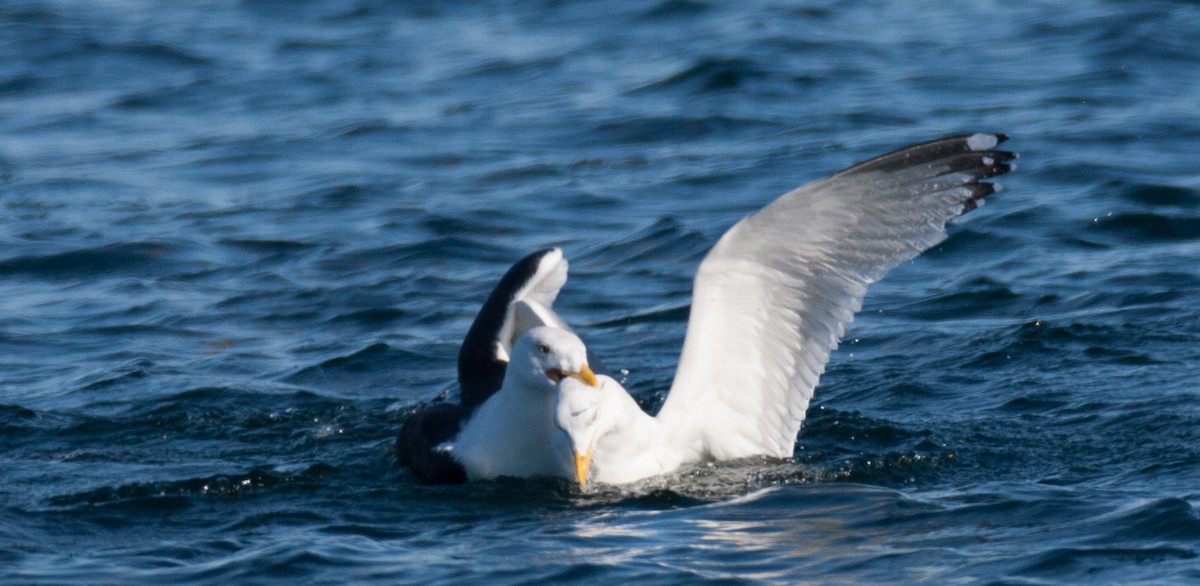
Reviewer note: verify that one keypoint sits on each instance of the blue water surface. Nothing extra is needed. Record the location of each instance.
(240, 243)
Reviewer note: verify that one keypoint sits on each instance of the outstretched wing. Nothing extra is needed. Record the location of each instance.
(774, 295)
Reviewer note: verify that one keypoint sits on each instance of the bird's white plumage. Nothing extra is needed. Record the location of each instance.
(606, 425)
(509, 434)
(770, 302)
(532, 304)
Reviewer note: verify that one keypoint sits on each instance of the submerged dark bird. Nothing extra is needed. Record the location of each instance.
(771, 300)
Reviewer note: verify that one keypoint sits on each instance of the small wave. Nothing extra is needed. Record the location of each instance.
(522, 173)
(158, 53)
(1069, 343)
(665, 239)
(31, 15)
(1145, 214)
(16, 419)
(439, 248)
(467, 223)
(182, 96)
(1037, 403)
(147, 259)
(708, 75)
(375, 129)
(341, 196)
(1139, 228)
(119, 375)
(859, 448)
(670, 9)
(375, 317)
(1169, 519)
(377, 365)
(655, 129)
(1153, 195)
(19, 84)
(510, 70)
(1092, 564)
(268, 247)
(266, 416)
(974, 298)
(167, 495)
(364, 359)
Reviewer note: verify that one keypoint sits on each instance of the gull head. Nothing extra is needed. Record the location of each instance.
(545, 356)
(581, 418)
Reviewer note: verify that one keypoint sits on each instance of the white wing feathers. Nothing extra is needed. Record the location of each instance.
(532, 304)
(773, 297)
(551, 275)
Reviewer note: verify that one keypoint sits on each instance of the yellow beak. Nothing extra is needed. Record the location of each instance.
(582, 463)
(585, 376)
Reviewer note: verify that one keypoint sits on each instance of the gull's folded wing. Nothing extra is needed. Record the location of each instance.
(521, 300)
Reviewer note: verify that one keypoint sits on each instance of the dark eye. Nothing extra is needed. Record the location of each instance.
(544, 349)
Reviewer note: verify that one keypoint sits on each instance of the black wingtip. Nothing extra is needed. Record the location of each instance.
(978, 192)
(966, 160)
(934, 151)
(995, 163)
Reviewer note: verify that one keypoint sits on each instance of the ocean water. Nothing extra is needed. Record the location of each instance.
(241, 241)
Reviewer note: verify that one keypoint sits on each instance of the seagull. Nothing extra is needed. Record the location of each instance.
(770, 302)
(446, 442)
(510, 434)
